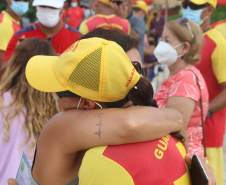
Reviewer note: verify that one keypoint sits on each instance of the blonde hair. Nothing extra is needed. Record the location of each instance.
(39, 106)
(182, 32)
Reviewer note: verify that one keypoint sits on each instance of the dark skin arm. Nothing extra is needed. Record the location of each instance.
(1, 56)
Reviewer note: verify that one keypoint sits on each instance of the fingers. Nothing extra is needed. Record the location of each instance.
(11, 181)
(188, 159)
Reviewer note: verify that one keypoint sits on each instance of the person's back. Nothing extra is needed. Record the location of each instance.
(105, 18)
(154, 162)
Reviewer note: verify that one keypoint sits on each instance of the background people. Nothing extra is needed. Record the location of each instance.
(104, 17)
(157, 23)
(10, 22)
(73, 15)
(179, 50)
(213, 68)
(123, 8)
(49, 27)
(24, 110)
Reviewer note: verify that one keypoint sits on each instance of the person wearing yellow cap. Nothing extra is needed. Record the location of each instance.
(89, 73)
(104, 17)
(213, 68)
(140, 9)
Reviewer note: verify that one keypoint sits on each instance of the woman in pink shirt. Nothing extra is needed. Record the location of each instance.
(179, 50)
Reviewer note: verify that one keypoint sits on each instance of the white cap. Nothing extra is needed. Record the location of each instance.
(51, 3)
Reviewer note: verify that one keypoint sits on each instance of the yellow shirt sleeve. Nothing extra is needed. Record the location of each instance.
(219, 57)
(6, 33)
(83, 28)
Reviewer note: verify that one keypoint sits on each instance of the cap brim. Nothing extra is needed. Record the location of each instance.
(55, 4)
(199, 2)
(40, 74)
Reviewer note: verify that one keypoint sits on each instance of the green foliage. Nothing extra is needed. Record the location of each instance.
(218, 14)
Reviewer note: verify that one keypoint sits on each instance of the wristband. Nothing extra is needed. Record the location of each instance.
(208, 114)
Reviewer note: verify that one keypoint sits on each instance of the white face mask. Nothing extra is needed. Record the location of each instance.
(166, 54)
(95, 103)
(48, 17)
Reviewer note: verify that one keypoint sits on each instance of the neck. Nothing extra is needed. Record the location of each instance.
(12, 14)
(50, 32)
(177, 66)
(205, 26)
(105, 11)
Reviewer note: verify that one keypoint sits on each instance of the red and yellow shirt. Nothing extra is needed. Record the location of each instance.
(221, 27)
(8, 26)
(213, 68)
(60, 41)
(157, 162)
(106, 21)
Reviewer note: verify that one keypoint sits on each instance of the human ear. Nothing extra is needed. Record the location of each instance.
(88, 104)
(186, 47)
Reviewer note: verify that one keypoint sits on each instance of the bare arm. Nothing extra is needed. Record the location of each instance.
(76, 130)
(219, 102)
(1, 56)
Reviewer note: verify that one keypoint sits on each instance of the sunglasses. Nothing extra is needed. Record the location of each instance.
(193, 6)
(184, 20)
(139, 69)
(66, 94)
(117, 2)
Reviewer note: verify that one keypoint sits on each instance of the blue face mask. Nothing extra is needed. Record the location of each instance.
(86, 12)
(74, 4)
(20, 7)
(194, 15)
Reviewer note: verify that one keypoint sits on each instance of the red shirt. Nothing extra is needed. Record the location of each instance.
(157, 162)
(213, 68)
(60, 42)
(75, 16)
(106, 21)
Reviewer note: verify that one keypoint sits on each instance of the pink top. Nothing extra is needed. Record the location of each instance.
(184, 84)
(11, 152)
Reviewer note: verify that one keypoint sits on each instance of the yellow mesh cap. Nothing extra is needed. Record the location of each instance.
(142, 5)
(93, 68)
(106, 2)
(200, 2)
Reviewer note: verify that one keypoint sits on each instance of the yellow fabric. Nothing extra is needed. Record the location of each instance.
(219, 55)
(83, 28)
(200, 2)
(106, 178)
(6, 30)
(222, 29)
(142, 5)
(185, 179)
(216, 162)
(93, 68)
(107, 2)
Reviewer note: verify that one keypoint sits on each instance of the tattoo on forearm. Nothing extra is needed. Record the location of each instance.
(99, 116)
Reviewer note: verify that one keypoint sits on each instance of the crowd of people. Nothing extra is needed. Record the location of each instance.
(77, 96)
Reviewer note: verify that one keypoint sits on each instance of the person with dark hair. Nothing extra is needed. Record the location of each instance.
(94, 86)
(23, 110)
(107, 126)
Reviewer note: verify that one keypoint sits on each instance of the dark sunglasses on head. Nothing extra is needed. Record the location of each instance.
(184, 20)
(66, 94)
(193, 6)
(139, 69)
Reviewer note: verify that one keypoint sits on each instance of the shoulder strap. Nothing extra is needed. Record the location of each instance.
(203, 127)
